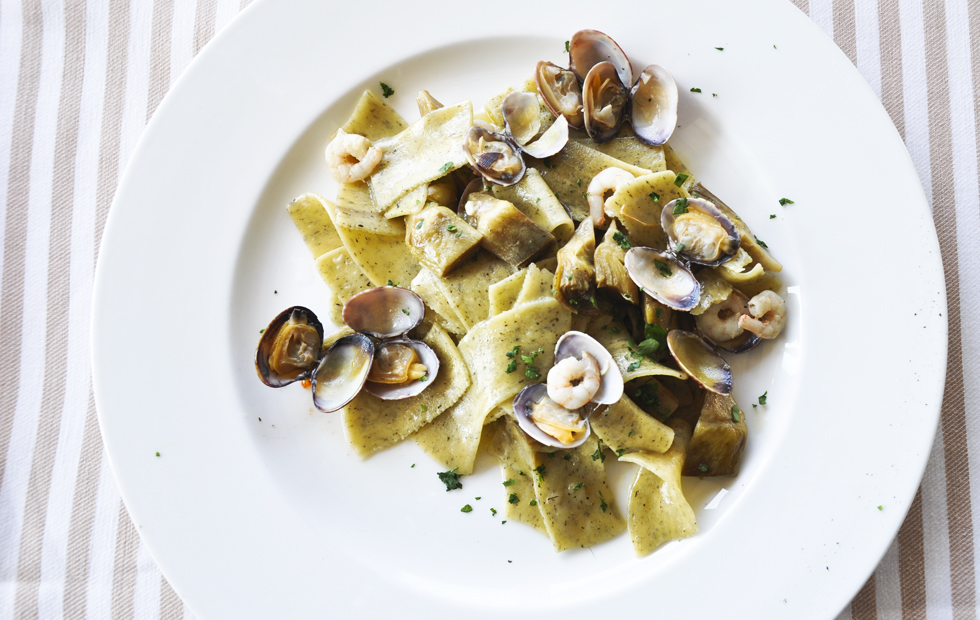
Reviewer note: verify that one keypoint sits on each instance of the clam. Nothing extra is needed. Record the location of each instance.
(496, 157)
(574, 344)
(535, 411)
(342, 372)
(588, 48)
(401, 369)
(605, 102)
(719, 324)
(384, 312)
(654, 105)
(700, 361)
(522, 118)
(560, 91)
(664, 278)
(699, 231)
(289, 347)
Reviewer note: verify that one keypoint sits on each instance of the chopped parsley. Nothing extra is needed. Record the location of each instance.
(390, 283)
(386, 90)
(578, 486)
(567, 457)
(514, 351)
(646, 396)
(413, 465)
(680, 247)
(663, 268)
(761, 242)
(762, 399)
(493, 512)
(510, 483)
(451, 228)
(445, 167)
(648, 347)
(262, 331)
(657, 312)
(424, 408)
(785, 201)
(713, 95)
(736, 413)
(466, 508)
(720, 49)
(424, 378)
(599, 455)
(479, 498)
(407, 313)
(632, 366)
(458, 234)
(511, 367)
(419, 223)
(539, 470)
(703, 468)
(615, 330)
(532, 373)
(513, 499)
(603, 506)
(158, 454)
(680, 179)
(880, 508)
(772, 216)
(566, 47)
(654, 196)
(695, 90)
(450, 479)
(680, 205)
(533, 502)
(621, 239)
(579, 182)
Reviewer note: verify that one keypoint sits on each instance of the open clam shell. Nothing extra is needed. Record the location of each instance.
(560, 91)
(699, 231)
(605, 102)
(654, 105)
(664, 278)
(398, 391)
(522, 117)
(342, 372)
(384, 312)
(494, 156)
(534, 401)
(289, 348)
(700, 361)
(573, 344)
(588, 48)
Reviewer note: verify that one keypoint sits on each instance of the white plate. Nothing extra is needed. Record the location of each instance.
(279, 519)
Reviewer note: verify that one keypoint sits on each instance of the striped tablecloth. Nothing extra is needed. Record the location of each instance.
(78, 81)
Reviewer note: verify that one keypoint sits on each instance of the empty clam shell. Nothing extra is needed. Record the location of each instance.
(699, 231)
(654, 105)
(700, 361)
(573, 344)
(342, 372)
(289, 347)
(588, 48)
(533, 402)
(522, 116)
(397, 391)
(605, 100)
(560, 91)
(664, 278)
(384, 312)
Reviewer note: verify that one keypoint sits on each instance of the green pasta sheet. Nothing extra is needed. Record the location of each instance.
(574, 496)
(537, 285)
(453, 438)
(503, 294)
(428, 149)
(373, 424)
(632, 151)
(374, 119)
(342, 274)
(623, 426)
(466, 286)
(569, 172)
(356, 197)
(658, 512)
(534, 198)
(512, 449)
(640, 203)
(425, 285)
(616, 339)
(310, 216)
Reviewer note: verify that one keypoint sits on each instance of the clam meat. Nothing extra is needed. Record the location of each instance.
(605, 102)
(289, 348)
(547, 422)
(494, 156)
(401, 369)
(697, 230)
(561, 93)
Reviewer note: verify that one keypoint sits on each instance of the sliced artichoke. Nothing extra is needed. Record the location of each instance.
(610, 267)
(575, 274)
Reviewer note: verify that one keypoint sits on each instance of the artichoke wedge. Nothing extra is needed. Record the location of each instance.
(575, 275)
(719, 438)
(610, 270)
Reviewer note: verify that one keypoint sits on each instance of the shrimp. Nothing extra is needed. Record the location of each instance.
(606, 182)
(573, 382)
(768, 315)
(720, 322)
(351, 158)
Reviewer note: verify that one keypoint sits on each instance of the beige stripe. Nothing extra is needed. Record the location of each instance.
(974, 8)
(82, 517)
(171, 607)
(204, 23)
(124, 568)
(911, 562)
(863, 607)
(244, 4)
(959, 509)
(803, 5)
(844, 29)
(15, 234)
(163, 17)
(52, 399)
(890, 32)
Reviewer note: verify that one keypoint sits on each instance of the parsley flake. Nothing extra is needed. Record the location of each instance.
(599, 455)
(785, 201)
(680, 206)
(578, 486)
(419, 223)
(720, 49)
(566, 47)
(450, 479)
(620, 452)
(714, 94)
(632, 366)
(736, 414)
(510, 483)
(466, 508)
(703, 468)
(407, 313)
(761, 242)
(621, 239)
(539, 470)
(451, 228)
(663, 268)
(413, 465)
(762, 399)
(880, 508)
(680, 247)
(424, 378)
(511, 367)
(262, 331)
(386, 90)
(695, 90)
(513, 499)
(158, 454)
(514, 351)
(532, 373)
(493, 512)
(445, 167)
(479, 498)
(424, 408)
(772, 216)
(390, 283)
(533, 502)
(654, 196)
(603, 506)
(680, 179)
(567, 457)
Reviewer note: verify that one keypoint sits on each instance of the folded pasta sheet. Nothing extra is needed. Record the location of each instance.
(534, 198)
(503, 294)
(424, 285)
(568, 174)
(428, 149)
(466, 286)
(310, 216)
(374, 119)
(511, 447)
(373, 424)
(380, 257)
(356, 197)
(632, 151)
(719, 438)
(342, 274)
(536, 286)
(453, 438)
(615, 338)
(574, 497)
(658, 511)
(624, 426)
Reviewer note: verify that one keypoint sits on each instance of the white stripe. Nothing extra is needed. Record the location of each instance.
(935, 534)
(54, 547)
(868, 43)
(137, 79)
(17, 469)
(822, 14)
(182, 38)
(146, 599)
(188, 614)
(966, 189)
(224, 13)
(888, 588)
(11, 25)
(915, 90)
(102, 550)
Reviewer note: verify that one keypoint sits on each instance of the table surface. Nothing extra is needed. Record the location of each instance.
(78, 82)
